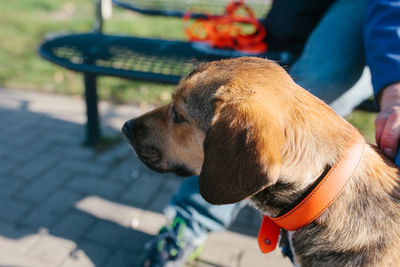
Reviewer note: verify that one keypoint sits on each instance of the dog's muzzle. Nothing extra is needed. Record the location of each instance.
(128, 129)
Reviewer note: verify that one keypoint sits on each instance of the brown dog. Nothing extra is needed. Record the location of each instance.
(249, 131)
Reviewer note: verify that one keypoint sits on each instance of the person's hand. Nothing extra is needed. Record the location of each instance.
(387, 123)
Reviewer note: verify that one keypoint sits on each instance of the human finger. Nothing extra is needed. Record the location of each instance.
(390, 135)
(380, 122)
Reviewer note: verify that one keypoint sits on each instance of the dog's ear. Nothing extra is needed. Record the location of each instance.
(242, 152)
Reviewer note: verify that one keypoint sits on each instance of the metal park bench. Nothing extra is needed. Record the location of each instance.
(157, 60)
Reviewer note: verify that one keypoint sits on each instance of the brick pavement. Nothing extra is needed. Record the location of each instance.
(62, 204)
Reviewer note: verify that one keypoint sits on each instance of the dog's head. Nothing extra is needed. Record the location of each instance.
(226, 122)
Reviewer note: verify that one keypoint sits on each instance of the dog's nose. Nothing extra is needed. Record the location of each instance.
(128, 129)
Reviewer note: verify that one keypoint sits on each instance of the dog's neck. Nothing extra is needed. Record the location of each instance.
(305, 159)
(282, 196)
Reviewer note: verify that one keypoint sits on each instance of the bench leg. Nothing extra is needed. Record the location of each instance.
(92, 126)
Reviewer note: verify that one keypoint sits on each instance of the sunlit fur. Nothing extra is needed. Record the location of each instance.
(251, 132)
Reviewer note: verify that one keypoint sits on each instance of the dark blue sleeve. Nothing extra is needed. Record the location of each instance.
(382, 42)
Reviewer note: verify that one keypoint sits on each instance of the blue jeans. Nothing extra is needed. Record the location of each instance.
(332, 67)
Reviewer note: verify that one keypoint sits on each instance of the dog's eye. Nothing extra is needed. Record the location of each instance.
(178, 118)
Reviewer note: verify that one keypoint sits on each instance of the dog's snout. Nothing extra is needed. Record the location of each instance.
(134, 129)
(129, 129)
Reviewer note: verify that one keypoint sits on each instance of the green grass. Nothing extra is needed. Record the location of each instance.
(365, 123)
(24, 24)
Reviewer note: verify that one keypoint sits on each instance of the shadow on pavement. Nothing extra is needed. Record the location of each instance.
(63, 204)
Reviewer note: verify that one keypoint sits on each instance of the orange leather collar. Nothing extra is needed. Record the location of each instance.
(317, 201)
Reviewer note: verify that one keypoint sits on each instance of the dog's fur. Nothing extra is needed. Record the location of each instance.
(249, 131)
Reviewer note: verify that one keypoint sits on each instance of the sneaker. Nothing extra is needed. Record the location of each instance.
(168, 248)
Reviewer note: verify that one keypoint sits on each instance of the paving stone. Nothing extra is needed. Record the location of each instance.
(5, 148)
(52, 250)
(76, 152)
(86, 167)
(231, 243)
(122, 259)
(255, 258)
(19, 153)
(78, 258)
(117, 237)
(43, 186)
(95, 186)
(37, 166)
(51, 209)
(65, 126)
(217, 255)
(127, 171)
(98, 254)
(17, 240)
(12, 259)
(121, 150)
(9, 185)
(6, 165)
(108, 210)
(237, 240)
(6, 116)
(249, 253)
(86, 255)
(14, 118)
(21, 132)
(53, 124)
(73, 225)
(162, 199)
(63, 139)
(149, 222)
(199, 263)
(142, 190)
(11, 210)
(62, 204)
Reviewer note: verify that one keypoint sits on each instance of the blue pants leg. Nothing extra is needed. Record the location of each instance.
(333, 58)
(201, 217)
(330, 66)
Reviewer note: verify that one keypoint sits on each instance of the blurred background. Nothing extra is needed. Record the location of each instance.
(65, 204)
(25, 23)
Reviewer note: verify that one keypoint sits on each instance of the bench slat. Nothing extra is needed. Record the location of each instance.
(155, 60)
(177, 8)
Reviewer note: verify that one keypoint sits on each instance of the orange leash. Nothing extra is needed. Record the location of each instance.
(317, 201)
(231, 30)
